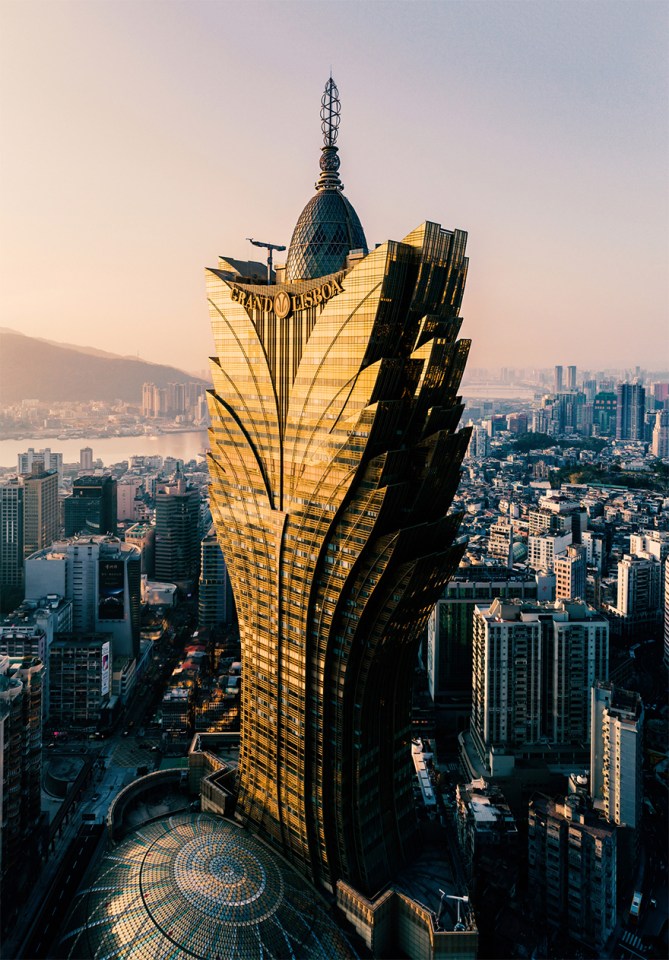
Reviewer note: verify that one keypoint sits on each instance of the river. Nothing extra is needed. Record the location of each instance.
(183, 446)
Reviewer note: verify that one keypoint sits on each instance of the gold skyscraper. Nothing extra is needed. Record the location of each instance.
(335, 455)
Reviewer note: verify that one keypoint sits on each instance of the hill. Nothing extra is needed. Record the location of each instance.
(44, 370)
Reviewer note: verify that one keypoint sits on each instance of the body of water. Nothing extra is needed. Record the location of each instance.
(184, 446)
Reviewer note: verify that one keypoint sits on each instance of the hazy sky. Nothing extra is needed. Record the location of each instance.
(140, 140)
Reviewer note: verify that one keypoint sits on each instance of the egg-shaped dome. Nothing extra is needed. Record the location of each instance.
(198, 886)
(328, 228)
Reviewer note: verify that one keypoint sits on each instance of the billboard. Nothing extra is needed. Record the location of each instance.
(104, 679)
(111, 579)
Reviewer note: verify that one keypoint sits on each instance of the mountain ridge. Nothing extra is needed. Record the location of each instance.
(49, 371)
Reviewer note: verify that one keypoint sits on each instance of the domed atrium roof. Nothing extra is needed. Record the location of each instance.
(196, 885)
(328, 227)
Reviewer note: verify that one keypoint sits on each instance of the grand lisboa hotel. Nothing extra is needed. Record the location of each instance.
(335, 453)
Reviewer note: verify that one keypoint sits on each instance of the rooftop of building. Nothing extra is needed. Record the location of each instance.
(516, 610)
(197, 885)
(108, 545)
(487, 806)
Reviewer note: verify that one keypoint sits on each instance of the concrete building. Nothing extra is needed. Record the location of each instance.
(143, 536)
(38, 461)
(177, 550)
(91, 508)
(41, 524)
(450, 629)
(30, 630)
(80, 685)
(630, 411)
(572, 854)
(102, 577)
(640, 588)
(500, 541)
(86, 458)
(126, 494)
(570, 569)
(486, 827)
(11, 541)
(616, 754)
(660, 442)
(215, 602)
(20, 777)
(533, 667)
(542, 549)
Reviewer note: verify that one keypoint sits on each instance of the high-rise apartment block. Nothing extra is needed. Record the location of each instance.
(571, 378)
(450, 629)
(41, 524)
(335, 456)
(127, 491)
(86, 458)
(37, 461)
(20, 775)
(533, 667)
(556, 513)
(143, 536)
(215, 602)
(570, 569)
(616, 754)
(639, 604)
(660, 442)
(11, 539)
(630, 411)
(102, 577)
(177, 545)
(543, 549)
(30, 630)
(558, 380)
(80, 683)
(500, 541)
(91, 507)
(572, 868)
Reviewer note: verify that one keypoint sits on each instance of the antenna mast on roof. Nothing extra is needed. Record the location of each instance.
(269, 247)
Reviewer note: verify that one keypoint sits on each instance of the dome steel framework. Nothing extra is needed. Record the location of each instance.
(195, 885)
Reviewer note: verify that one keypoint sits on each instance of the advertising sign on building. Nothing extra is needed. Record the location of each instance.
(111, 578)
(104, 682)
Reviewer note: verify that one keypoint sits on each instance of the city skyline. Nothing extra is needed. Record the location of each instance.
(119, 180)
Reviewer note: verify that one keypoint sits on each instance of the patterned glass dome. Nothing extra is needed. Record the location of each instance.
(195, 885)
(327, 229)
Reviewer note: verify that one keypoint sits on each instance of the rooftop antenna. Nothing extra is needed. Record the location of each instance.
(269, 247)
(330, 118)
(449, 896)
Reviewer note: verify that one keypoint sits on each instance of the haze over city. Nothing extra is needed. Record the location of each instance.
(143, 140)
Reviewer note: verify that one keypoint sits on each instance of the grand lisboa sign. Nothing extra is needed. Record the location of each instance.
(283, 303)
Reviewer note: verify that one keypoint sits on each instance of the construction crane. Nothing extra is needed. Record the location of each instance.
(269, 247)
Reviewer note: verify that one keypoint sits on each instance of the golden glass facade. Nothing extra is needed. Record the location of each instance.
(335, 454)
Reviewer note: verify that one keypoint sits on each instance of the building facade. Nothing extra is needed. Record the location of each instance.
(335, 455)
(41, 524)
(177, 544)
(102, 578)
(630, 411)
(572, 868)
(91, 508)
(616, 758)
(20, 776)
(215, 602)
(11, 541)
(450, 629)
(533, 667)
